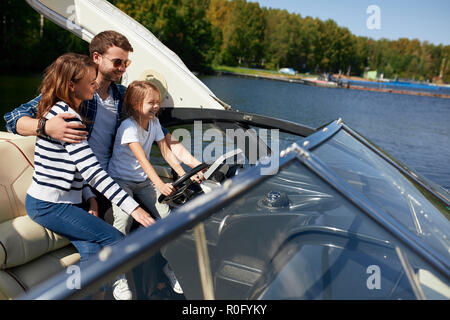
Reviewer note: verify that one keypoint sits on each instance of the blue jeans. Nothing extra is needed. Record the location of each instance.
(88, 233)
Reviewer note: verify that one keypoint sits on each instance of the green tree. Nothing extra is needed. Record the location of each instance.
(244, 36)
(180, 24)
(27, 49)
(236, 32)
(276, 42)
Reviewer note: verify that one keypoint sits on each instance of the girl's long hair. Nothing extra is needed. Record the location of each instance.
(55, 84)
(134, 98)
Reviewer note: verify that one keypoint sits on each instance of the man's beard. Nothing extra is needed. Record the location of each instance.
(111, 76)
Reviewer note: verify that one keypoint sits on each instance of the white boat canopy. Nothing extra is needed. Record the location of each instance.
(86, 18)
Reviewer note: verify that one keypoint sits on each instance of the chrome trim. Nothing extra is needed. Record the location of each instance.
(225, 105)
(321, 136)
(203, 262)
(379, 215)
(415, 218)
(314, 140)
(410, 274)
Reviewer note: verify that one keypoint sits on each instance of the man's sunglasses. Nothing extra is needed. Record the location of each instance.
(119, 62)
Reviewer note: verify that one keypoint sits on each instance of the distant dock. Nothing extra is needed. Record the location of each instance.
(409, 92)
(332, 84)
(257, 76)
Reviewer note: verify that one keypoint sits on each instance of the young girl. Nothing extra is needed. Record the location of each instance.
(129, 164)
(63, 171)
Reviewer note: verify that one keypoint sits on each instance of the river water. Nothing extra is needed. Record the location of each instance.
(413, 129)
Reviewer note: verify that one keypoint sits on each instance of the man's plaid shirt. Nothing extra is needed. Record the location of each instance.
(88, 110)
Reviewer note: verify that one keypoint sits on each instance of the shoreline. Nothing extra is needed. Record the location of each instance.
(407, 92)
(329, 84)
(258, 76)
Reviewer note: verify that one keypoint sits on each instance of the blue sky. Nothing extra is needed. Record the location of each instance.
(424, 20)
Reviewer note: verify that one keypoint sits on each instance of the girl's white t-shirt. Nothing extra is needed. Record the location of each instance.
(123, 163)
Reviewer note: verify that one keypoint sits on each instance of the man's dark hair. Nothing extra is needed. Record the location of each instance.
(107, 39)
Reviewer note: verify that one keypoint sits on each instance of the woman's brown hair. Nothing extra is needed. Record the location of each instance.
(134, 98)
(55, 84)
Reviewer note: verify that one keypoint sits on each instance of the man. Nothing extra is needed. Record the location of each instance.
(110, 50)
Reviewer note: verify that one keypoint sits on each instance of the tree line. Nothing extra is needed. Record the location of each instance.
(205, 33)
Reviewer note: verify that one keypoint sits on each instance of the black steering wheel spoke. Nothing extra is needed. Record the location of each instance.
(182, 184)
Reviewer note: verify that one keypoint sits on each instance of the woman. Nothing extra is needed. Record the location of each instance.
(63, 171)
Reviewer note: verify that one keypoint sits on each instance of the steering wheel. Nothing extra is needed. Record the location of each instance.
(184, 179)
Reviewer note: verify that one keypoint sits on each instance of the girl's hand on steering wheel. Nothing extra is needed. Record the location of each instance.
(198, 177)
(180, 184)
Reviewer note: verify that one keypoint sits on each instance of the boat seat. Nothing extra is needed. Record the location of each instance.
(29, 253)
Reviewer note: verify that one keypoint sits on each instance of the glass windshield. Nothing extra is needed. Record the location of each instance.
(292, 236)
(408, 202)
(208, 141)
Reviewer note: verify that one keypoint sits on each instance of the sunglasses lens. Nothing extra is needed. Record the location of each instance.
(118, 62)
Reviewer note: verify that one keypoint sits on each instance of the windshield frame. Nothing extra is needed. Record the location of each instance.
(179, 116)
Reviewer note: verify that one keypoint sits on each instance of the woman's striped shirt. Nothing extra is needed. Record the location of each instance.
(62, 171)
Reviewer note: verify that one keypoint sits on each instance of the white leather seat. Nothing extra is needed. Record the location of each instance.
(29, 253)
